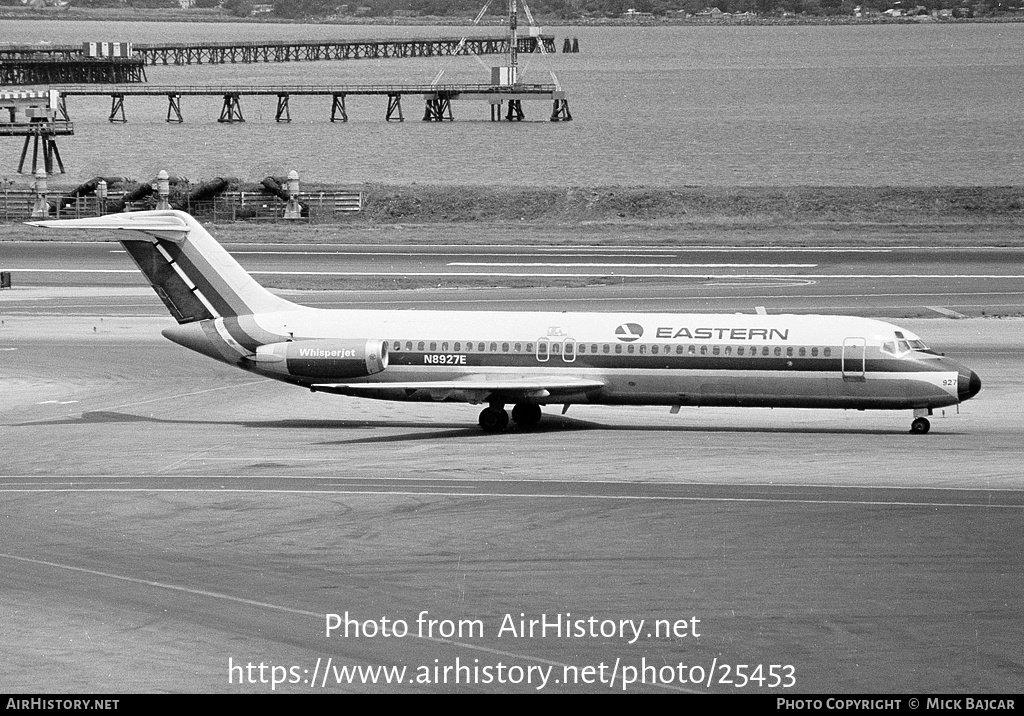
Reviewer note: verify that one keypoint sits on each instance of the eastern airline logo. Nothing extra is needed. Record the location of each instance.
(629, 332)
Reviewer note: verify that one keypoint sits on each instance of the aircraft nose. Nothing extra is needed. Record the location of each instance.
(968, 384)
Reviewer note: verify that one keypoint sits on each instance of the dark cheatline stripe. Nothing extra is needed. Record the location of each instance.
(179, 299)
(249, 334)
(220, 295)
(660, 362)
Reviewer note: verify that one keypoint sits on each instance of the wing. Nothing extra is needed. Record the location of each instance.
(471, 389)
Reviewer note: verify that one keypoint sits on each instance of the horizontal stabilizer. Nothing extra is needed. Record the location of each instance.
(164, 226)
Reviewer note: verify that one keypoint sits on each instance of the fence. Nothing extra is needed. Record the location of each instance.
(16, 205)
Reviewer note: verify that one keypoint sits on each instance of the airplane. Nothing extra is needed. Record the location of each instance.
(530, 359)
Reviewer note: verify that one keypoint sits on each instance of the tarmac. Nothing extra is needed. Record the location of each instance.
(171, 524)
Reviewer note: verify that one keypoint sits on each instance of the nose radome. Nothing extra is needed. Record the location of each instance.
(968, 384)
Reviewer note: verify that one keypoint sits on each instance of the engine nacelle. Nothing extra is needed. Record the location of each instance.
(324, 358)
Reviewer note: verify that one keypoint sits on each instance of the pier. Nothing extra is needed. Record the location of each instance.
(32, 114)
(40, 135)
(220, 53)
(58, 70)
(437, 99)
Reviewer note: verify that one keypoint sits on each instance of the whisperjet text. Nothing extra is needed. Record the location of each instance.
(732, 334)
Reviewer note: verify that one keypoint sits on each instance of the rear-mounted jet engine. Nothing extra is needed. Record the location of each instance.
(324, 358)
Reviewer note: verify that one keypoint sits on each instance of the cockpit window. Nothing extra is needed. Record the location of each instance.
(918, 345)
(904, 346)
(889, 347)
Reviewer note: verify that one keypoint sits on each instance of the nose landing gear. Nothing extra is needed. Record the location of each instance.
(920, 426)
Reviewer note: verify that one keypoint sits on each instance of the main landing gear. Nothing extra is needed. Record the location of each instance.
(494, 419)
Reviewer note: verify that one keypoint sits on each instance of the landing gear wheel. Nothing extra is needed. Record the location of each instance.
(920, 426)
(493, 420)
(526, 415)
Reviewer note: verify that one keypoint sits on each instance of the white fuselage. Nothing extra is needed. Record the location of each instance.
(666, 359)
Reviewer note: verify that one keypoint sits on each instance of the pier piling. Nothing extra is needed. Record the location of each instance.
(174, 109)
(231, 112)
(338, 113)
(394, 107)
(560, 111)
(515, 112)
(117, 109)
(282, 114)
(438, 109)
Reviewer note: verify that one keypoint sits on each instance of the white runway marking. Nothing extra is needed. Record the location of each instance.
(515, 495)
(277, 607)
(446, 249)
(945, 312)
(489, 274)
(536, 264)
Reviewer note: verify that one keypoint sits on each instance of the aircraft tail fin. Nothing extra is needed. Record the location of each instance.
(191, 273)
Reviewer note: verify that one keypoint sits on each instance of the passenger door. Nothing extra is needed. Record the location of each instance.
(854, 356)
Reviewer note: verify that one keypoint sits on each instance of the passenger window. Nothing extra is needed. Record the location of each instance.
(765, 351)
(529, 348)
(654, 350)
(397, 346)
(691, 350)
(605, 349)
(728, 350)
(494, 348)
(618, 348)
(789, 352)
(679, 350)
(444, 346)
(457, 347)
(739, 350)
(814, 352)
(419, 346)
(481, 347)
(556, 348)
(583, 348)
(716, 350)
(433, 347)
(803, 352)
(504, 347)
(703, 350)
(643, 350)
(630, 348)
(778, 351)
(518, 347)
(827, 352)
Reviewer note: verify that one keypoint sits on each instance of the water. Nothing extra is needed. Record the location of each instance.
(820, 105)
